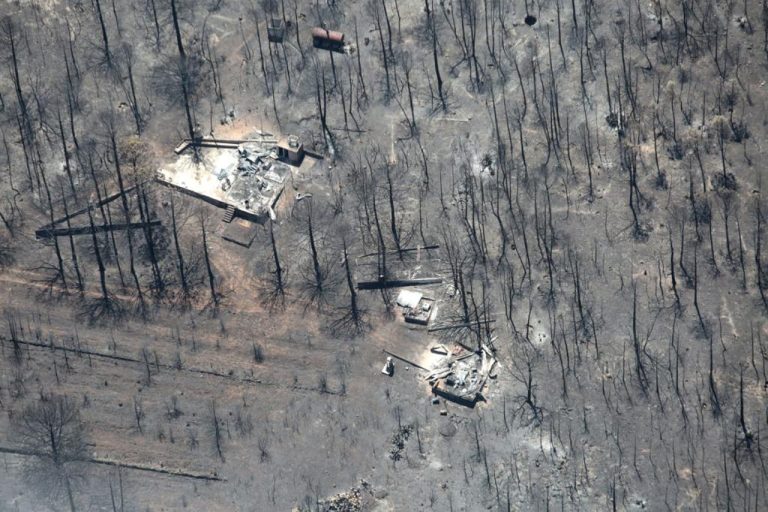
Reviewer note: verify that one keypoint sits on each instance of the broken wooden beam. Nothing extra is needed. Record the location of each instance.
(459, 326)
(314, 154)
(397, 283)
(266, 138)
(410, 249)
(183, 145)
(87, 230)
(467, 400)
(104, 201)
(216, 144)
(404, 360)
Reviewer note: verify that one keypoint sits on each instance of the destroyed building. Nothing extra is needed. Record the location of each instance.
(244, 177)
(417, 309)
(460, 375)
(276, 30)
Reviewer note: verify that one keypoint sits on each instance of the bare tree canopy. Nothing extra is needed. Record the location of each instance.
(52, 430)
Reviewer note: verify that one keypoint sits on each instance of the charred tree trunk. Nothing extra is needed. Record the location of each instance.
(392, 216)
(67, 166)
(99, 261)
(183, 69)
(104, 37)
(127, 216)
(433, 37)
(208, 267)
(185, 290)
(73, 249)
(149, 239)
(279, 285)
(60, 262)
(318, 273)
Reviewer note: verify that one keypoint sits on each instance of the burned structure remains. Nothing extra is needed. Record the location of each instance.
(244, 177)
(460, 375)
(276, 30)
(417, 309)
(290, 150)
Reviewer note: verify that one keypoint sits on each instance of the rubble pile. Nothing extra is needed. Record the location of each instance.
(350, 501)
(252, 159)
(461, 374)
(399, 438)
(254, 179)
(357, 499)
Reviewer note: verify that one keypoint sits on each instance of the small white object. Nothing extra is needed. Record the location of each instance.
(408, 299)
(389, 367)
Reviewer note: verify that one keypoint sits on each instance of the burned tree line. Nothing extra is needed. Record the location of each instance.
(590, 171)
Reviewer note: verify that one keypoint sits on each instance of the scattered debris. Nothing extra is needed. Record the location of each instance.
(349, 501)
(356, 499)
(439, 349)
(399, 438)
(461, 375)
(229, 117)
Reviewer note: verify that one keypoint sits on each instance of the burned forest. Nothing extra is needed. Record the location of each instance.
(383, 255)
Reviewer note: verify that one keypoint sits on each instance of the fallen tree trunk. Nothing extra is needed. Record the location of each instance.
(107, 462)
(397, 283)
(49, 232)
(459, 326)
(404, 360)
(98, 204)
(410, 249)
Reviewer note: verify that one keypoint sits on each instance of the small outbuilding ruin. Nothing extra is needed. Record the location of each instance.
(290, 150)
(275, 30)
(417, 309)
